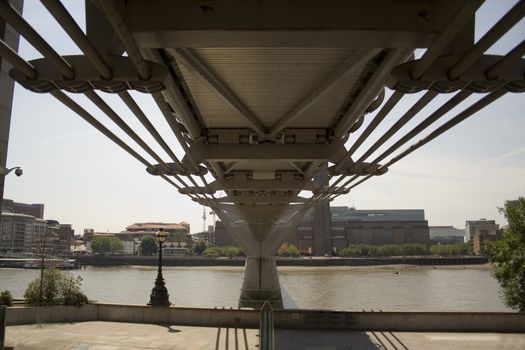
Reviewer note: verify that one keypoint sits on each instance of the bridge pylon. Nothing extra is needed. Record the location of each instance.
(260, 237)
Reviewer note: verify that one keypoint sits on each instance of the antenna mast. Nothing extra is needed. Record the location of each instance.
(203, 218)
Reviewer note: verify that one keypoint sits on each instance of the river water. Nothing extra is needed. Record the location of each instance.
(389, 288)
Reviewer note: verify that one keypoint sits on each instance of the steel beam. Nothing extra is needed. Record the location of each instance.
(277, 23)
(278, 152)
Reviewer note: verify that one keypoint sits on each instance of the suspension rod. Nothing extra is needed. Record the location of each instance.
(71, 27)
(68, 102)
(389, 105)
(485, 101)
(458, 22)
(440, 112)
(139, 114)
(494, 34)
(514, 55)
(416, 108)
(21, 26)
(17, 61)
(117, 22)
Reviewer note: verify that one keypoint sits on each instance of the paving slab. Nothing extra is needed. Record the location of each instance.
(122, 336)
(346, 340)
(132, 336)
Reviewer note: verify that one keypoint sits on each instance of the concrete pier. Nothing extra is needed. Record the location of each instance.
(260, 239)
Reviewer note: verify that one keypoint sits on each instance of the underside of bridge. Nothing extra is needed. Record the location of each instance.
(269, 99)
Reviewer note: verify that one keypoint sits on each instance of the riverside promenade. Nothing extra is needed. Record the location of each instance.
(130, 336)
(116, 326)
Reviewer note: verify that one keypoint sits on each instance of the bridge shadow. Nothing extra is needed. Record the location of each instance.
(295, 339)
(232, 338)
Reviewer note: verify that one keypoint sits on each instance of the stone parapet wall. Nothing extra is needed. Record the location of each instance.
(499, 322)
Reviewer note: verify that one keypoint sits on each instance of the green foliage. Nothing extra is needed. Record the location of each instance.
(215, 252)
(507, 256)
(58, 288)
(288, 250)
(293, 251)
(106, 244)
(199, 247)
(283, 250)
(211, 252)
(451, 249)
(148, 246)
(364, 250)
(230, 252)
(385, 250)
(6, 298)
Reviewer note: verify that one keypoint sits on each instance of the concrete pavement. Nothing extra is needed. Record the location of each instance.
(124, 336)
(120, 336)
(344, 340)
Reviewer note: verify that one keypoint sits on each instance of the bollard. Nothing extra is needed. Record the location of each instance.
(266, 329)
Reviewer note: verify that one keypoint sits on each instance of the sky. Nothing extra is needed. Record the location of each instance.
(86, 180)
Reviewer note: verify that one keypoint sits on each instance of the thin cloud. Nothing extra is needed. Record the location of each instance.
(511, 154)
(69, 135)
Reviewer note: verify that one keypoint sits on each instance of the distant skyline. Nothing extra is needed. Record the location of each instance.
(87, 181)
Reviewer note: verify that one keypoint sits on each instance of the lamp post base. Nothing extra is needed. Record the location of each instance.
(159, 294)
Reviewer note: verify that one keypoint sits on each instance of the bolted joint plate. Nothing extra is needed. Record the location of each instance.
(361, 169)
(176, 169)
(87, 78)
(474, 79)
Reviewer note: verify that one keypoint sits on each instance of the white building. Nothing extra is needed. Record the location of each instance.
(486, 229)
(446, 234)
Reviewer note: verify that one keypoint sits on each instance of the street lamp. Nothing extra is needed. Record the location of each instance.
(17, 169)
(159, 294)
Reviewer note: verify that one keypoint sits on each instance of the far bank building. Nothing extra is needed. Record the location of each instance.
(325, 228)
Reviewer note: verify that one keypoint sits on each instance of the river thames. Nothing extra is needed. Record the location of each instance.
(388, 288)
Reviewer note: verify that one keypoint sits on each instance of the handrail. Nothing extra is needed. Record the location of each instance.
(266, 328)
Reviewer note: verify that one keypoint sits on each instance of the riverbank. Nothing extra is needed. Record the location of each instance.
(100, 260)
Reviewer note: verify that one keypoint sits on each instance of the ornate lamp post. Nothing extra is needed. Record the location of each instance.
(159, 294)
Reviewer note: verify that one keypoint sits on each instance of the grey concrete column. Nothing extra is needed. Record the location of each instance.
(261, 283)
(260, 234)
(9, 36)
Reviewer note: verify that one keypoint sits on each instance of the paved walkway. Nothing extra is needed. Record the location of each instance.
(124, 336)
(341, 340)
(120, 336)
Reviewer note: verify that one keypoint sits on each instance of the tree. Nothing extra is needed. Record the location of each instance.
(59, 288)
(6, 298)
(106, 244)
(293, 251)
(507, 256)
(230, 252)
(283, 250)
(199, 247)
(148, 246)
(211, 252)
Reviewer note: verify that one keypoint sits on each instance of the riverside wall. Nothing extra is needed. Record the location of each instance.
(100, 260)
(499, 322)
